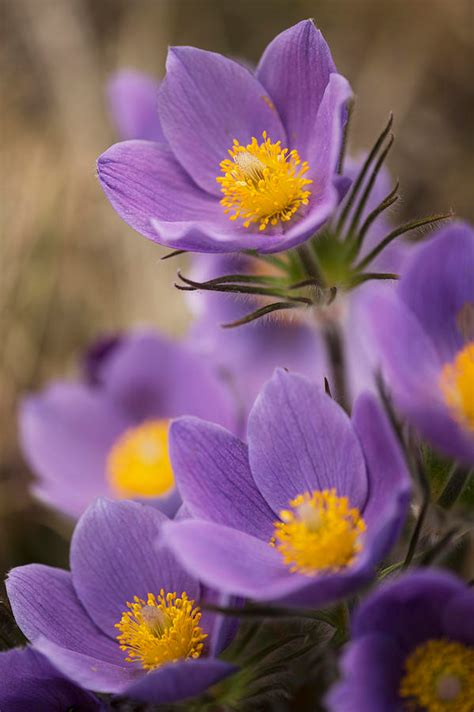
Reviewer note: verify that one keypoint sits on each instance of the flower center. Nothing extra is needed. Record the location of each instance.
(439, 677)
(263, 183)
(457, 386)
(138, 464)
(320, 532)
(160, 630)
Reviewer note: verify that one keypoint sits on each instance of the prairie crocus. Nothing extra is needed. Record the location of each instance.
(412, 648)
(425, 339)
(305, 512)
(28, 681)
(126, 618)
(249, 159)
(108, 434)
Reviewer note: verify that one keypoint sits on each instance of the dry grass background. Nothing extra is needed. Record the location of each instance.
(70, 269)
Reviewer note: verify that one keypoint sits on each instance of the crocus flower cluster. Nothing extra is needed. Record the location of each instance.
(229, 478)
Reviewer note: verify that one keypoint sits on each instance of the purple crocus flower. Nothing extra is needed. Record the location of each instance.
(305, 512)
(107, 435)
(126, 618)
(28, 681)
(425, 338)
(412, 648)
(249, 159)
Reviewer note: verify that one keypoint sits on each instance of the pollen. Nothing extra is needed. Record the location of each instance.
(320, 533)
(263, 183)
(457, 386)
(138, 464)
(160, 630)
(439, 677)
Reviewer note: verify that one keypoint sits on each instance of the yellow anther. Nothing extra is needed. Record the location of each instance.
(160, 630)
(321, 532)
(263, 183)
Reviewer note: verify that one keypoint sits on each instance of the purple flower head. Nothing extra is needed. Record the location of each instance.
(412, 648)
(108, 435)
(425, 338)
(126, 618)
(249, 159)
(28, 681)
(305, 512)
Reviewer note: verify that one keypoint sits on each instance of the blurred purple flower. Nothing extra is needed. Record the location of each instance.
(108, 435)
(132, 99)
(126, 618)
(424, 334)
(412, 648)
(28, 681)
(305, 512)
(210, 107)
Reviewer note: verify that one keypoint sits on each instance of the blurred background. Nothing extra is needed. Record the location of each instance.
(72, 270)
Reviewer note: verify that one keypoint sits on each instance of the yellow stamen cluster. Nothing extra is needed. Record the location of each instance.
(138, 464)
(439, 677)
(160, 630)
(263, 183)
(320, 533)
(457, 386)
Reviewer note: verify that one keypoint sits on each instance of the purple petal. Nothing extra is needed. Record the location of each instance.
(95, 357)
(323, 156)
(226, 559)
(458, 617)
(389, 481)
(438, 283)
(371, 671)
(143, 180)
(133, 104)
(205, 102)
(66, 434)
(179, 681)
(113, 559)
(29, 682)
(88, 669)
(236, 563)
(300, 440)
(410, 609)
(49, 613)
(213, 476)
(152, 376)
(295, 70)
(408, 358)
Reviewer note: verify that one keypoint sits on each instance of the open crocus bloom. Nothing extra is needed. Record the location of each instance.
(126, 618)
(109, 435)
(301, 515)
(425, 339)
(249, 159)
(28, 681)
(412, 648)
